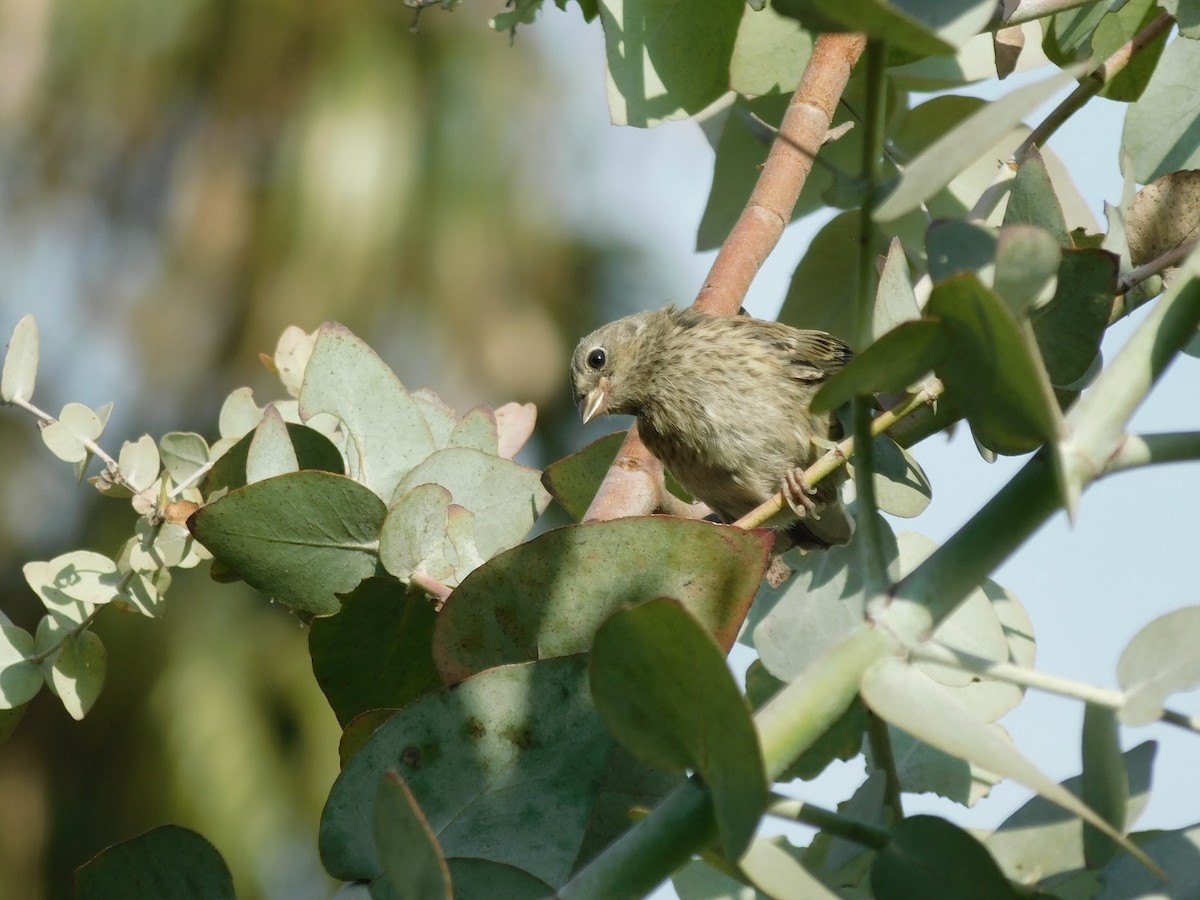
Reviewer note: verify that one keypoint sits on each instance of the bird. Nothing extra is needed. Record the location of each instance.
(723, 402)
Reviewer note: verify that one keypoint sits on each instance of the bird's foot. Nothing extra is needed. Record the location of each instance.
(799, 496)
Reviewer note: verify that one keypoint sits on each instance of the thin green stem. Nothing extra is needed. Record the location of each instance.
(828, 821)
(39, 658)
(110, 464)
(880, 742)
(1151, 449)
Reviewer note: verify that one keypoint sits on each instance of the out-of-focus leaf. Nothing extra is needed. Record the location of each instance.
(239, 414)
(574, 479)
(1040, 840)
(375, 653)
(663, 65)
(954, 246)
(1069, 328)
(1032, 199)
(1160, 660)
(408, 851)
(894, 363)
(964, 144)
(76, 670)
(1186, 14)
(514, 426)
(929, 857)
(912, 701)
(901, 486)
(345, 378)
(661, 683)
(1174, 851)
(505, 766)
(76, 425)
(20, 361)
(20, 679)
(1027, 262)
(301, 538)
(168, 861)
(548, 597)
(774, 867)
(895, 300)
(1162, 129)
(1105, 783)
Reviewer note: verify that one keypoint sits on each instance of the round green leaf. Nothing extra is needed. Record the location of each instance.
(1070, 327)
(505, 496)
(661, 683)
(505, 766)
(20, 680)
(183, 454)
(375, 653)
(893, 364)
(413, 538)
(484, 878)
(66, 437)
(301, 538)
(1160, 660)
(549, 596)
(346, 378)
(313, 451)
(927, 858)
(770, 54)
(168, 861)
(477, 431)
(663, 64)
(1161, 128)
(75, 672)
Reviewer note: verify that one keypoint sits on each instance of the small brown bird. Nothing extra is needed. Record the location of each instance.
(723, 401)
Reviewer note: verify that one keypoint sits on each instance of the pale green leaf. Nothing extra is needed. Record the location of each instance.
(66, 437)
(346, 378)
(20, 361)
(75, 672)
(184, 453)
(168, 861)
(1160, 660)
(239, 414)
(770, 53)
(413, 537)
(665, 60)
(1162, 129)
(271, 452)
(964, 144)
(910, 700)
(20, 680)
(660, 681)
(1105, 783)
(139, 462)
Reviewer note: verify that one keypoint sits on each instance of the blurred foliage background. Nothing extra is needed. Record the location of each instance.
(178, 182)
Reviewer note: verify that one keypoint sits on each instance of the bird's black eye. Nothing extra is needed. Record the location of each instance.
(596, 359)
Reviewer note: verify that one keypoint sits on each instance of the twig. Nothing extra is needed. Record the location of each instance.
(1121, 304)
(828, 821)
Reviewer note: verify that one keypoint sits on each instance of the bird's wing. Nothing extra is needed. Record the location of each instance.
(814, 355)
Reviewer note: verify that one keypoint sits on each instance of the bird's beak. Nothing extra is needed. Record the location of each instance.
(596, 400)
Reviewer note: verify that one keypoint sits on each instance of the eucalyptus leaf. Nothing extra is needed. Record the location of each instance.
(549, 596)
(20, 679)
(1162, 129)
(1159, 661)
(375, 652)
(1105, 783)
(345, 378)
(412, 861)
(302, 538)
(270, 452)
(929, 857)
(574, 480)
(168, 861)
(20, 361)
(661, 683)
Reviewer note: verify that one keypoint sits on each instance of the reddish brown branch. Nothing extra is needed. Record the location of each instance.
(634, 486)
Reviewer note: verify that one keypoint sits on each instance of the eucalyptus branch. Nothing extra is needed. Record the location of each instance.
(1150, 449)
(111, 466)
(1125, 303)
(828, 821)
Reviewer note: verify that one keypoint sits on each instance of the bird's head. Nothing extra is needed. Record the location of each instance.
(607, 367)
